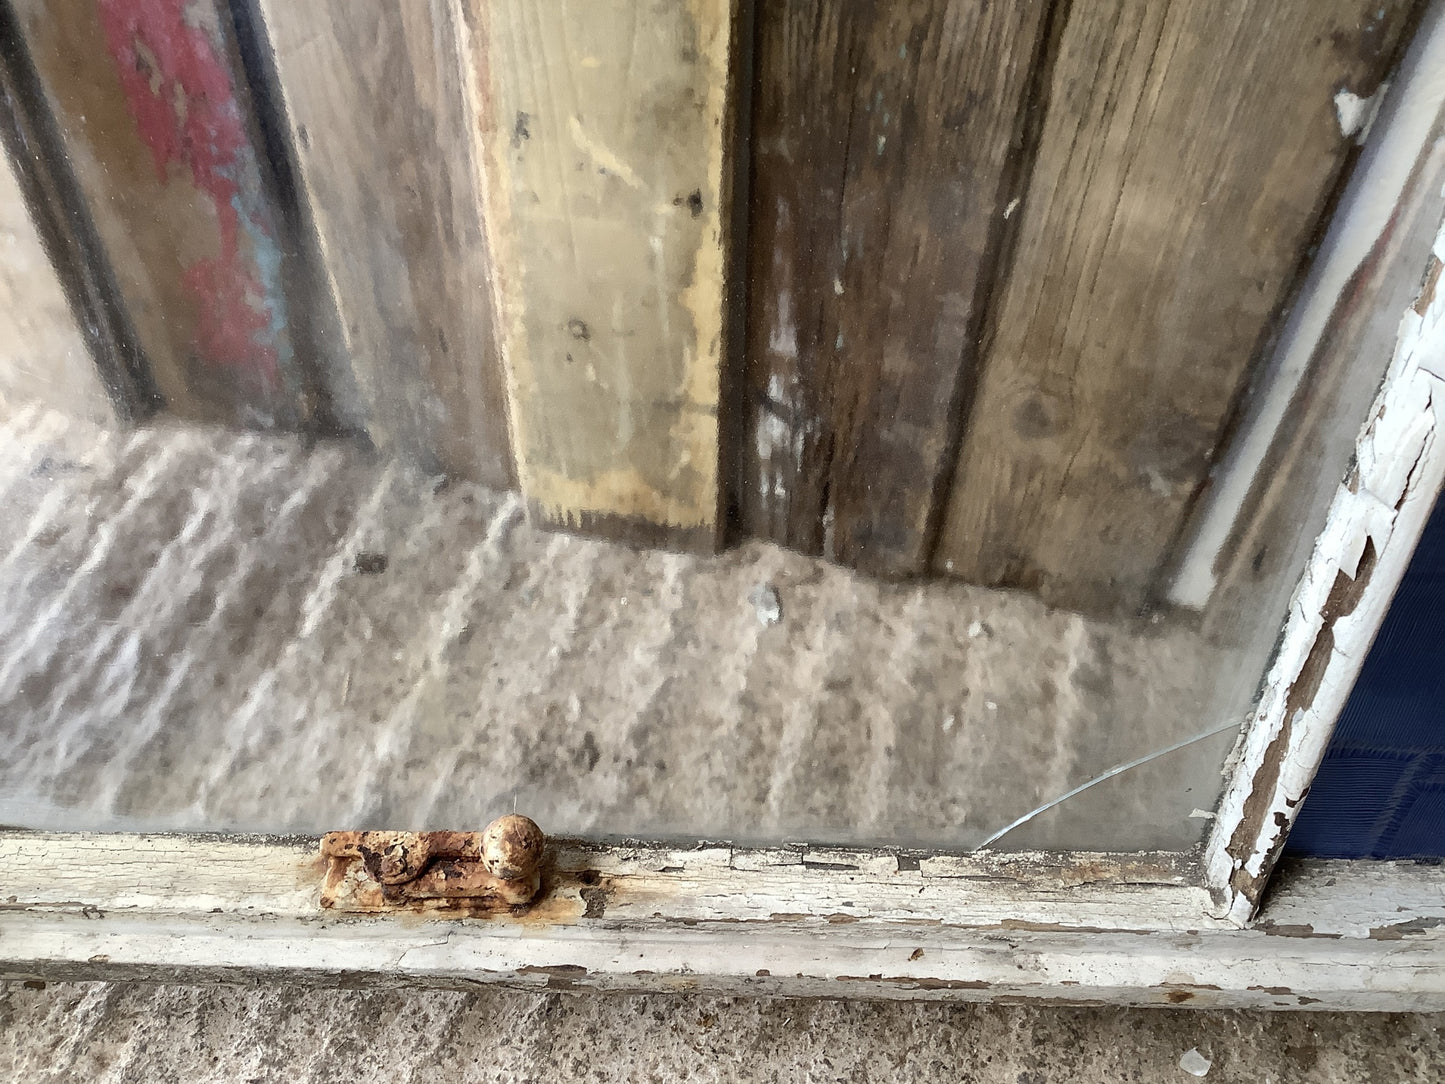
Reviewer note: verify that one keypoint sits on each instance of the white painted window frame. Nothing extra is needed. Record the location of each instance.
(1152, 929)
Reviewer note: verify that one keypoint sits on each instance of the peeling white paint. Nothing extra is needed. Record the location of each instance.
(783, 339)
(1013, 205)
(726, 919)
(775, 441)
(1356, 114)
(1400, 467)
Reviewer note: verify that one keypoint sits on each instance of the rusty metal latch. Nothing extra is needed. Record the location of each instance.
(467, 873)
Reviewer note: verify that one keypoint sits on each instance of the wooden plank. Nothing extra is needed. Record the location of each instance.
(1255, 524)
(642, 882)
(1244, 969)
(379, 124)
(608, 188)
(887, 143)
(1349, 935)
(153, 111)
(1188, 152)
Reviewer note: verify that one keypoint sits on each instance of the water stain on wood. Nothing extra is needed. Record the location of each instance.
(887, 140)
(1133, 306)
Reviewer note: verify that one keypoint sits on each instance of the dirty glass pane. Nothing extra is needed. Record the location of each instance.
(790, 421)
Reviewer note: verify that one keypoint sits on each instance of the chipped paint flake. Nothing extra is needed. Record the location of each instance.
(1356, 114)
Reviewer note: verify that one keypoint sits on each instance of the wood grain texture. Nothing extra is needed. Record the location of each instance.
(887, 140)
(379, 122)
(795, 922)
(608, 185)
(1367, 274)
(153, 112)
(1189, 150)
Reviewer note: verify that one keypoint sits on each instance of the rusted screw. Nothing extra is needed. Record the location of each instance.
(512, 847)
(503, 862)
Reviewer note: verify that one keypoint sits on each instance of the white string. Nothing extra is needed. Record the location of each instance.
(1118, 769)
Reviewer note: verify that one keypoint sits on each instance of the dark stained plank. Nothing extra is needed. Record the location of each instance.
(153, 112)
(1188, 153)
(380, 126)
(886, 151)
(607, 128)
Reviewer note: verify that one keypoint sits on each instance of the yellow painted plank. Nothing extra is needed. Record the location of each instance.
(606, 126)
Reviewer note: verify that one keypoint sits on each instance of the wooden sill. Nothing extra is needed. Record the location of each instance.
(786, 921)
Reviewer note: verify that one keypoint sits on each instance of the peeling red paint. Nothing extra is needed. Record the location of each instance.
(180, 91)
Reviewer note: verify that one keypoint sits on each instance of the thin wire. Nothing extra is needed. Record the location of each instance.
(1118, 769)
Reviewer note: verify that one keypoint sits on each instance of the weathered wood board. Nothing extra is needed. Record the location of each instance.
(887, 152)
(800, 922)
(1187, 155)
(1266, 503)
(380, 127)
(155, 121)
(607, 175)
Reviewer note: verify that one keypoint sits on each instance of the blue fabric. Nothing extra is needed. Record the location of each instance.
(1380, 792)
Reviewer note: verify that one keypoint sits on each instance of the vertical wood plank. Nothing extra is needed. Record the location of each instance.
(1188, 152)
(606, 125)
(379, 123)
(887, 147)
(152, 108)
